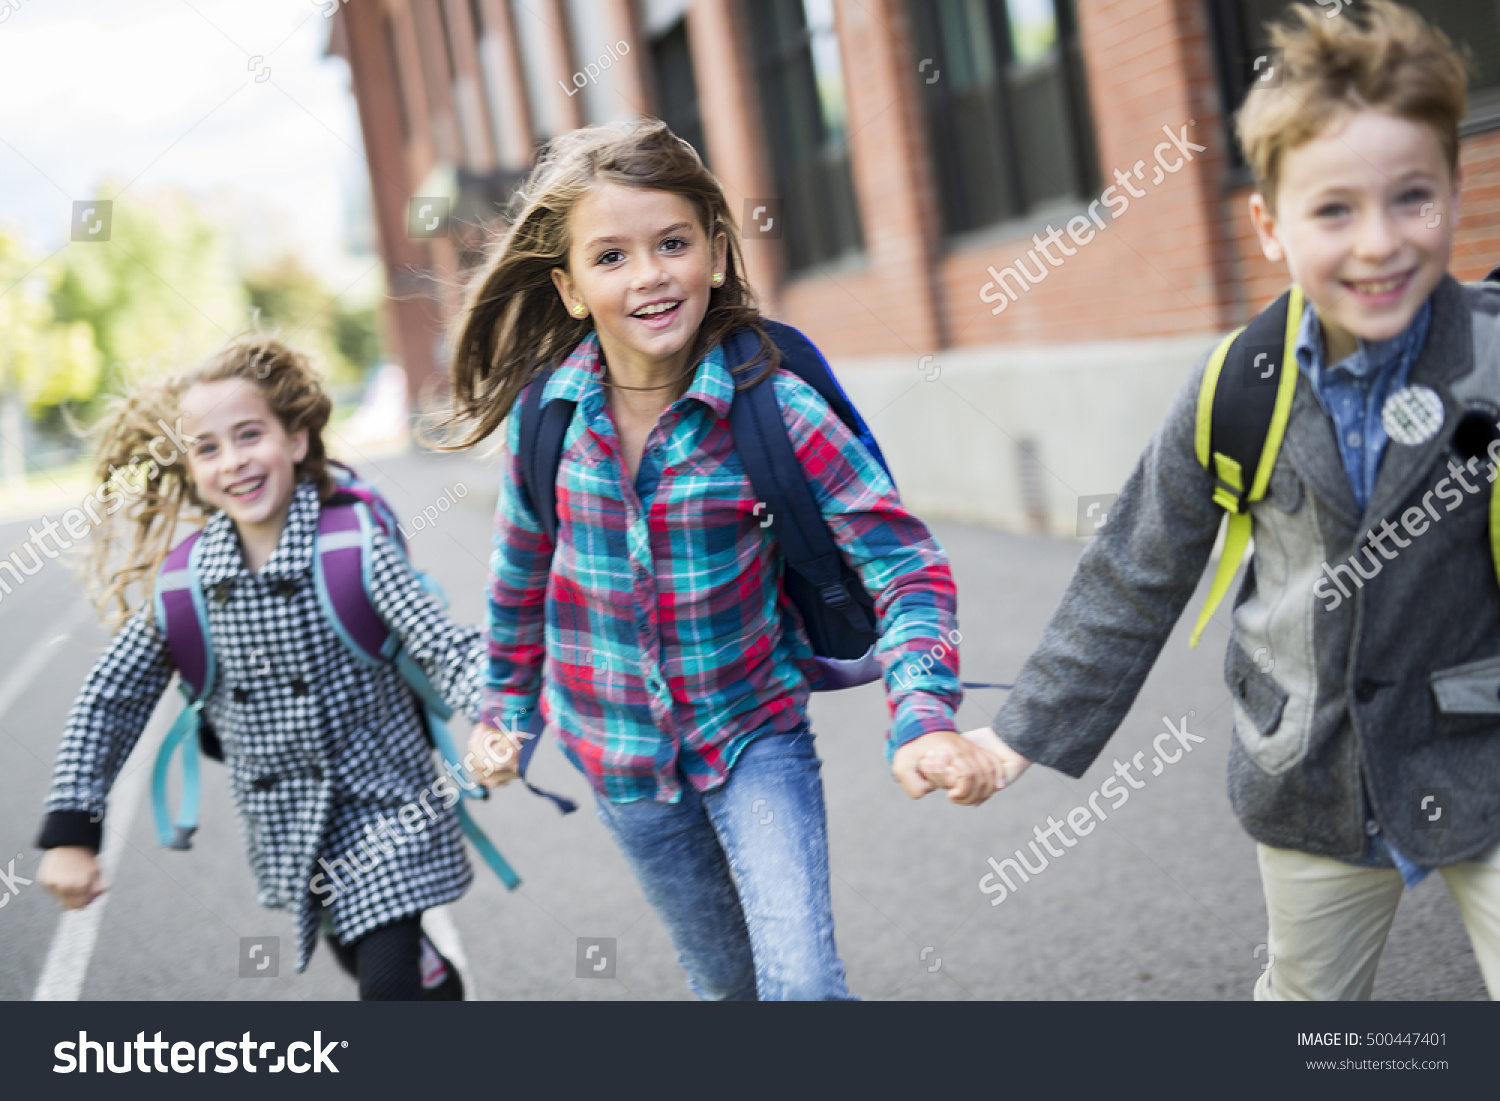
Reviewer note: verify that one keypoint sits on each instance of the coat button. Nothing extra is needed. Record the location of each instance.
(263, 783)
(299, 687)
(240, 694)
(1365, 689)
(1372, 827)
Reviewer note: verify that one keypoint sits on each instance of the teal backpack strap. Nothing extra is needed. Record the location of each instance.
(184, 732)
(477, 837)
(1244, 403)
(342, 579)
(182, 618)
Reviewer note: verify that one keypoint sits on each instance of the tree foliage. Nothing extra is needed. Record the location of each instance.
(162, 292)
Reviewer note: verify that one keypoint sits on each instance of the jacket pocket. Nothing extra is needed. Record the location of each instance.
(1259, 702)
(1469, 689)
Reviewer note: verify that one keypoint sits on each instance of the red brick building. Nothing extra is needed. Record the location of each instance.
(1012, 225)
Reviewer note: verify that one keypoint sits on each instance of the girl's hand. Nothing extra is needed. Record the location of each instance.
(494, 757)
(945, 759)
(71, 873)
(1011, 764)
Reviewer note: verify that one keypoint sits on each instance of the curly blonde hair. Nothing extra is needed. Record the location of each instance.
(149, 495)
(1383, 56)
(513, 323)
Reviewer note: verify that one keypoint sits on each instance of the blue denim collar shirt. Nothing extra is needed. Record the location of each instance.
(1354, 390)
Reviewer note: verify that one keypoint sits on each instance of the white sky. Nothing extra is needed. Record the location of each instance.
(162, 93)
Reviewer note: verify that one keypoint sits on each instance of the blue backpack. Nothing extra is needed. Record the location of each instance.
(346, 527)
(836, 609)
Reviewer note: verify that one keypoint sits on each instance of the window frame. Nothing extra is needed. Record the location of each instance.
(959, 217)
(1231, 39)
(781, 62)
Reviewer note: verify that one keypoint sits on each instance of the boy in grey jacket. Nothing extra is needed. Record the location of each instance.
(1369, 753)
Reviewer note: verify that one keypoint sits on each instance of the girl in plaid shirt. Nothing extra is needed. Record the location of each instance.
(324, 753)
(654, 632)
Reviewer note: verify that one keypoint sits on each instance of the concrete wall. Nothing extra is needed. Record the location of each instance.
(951, 426)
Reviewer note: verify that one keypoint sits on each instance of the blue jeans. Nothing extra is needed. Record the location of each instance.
(739, 875)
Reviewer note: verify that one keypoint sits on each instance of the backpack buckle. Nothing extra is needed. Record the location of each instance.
(834, 594)
(183, 839)
(1229, 497)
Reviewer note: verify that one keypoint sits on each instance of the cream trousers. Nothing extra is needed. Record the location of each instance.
(1329, 922)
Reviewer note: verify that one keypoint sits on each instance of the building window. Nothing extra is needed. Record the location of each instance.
(597, 55)
(544, 84)
(801, 81)
(1006, 110)
(1239, 29)
(676, 87)
(491, 71)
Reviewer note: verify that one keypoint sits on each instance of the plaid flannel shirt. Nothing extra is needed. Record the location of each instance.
(657, 623)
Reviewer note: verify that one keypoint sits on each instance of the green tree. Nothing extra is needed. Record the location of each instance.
(292, 300)
(159, 294)
(43, 363)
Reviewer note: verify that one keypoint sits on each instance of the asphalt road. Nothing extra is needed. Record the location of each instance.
(1162, 901)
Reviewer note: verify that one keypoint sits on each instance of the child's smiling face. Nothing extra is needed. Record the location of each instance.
(242, 459)
(642, 266)
(1365, 218)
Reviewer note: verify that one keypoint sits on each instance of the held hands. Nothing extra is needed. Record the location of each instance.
(494, 758)
(972, 766)
(71, 874)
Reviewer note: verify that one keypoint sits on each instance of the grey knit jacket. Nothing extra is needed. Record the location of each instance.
(1383, 700)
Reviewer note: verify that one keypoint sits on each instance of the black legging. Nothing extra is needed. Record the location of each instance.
(387, 961)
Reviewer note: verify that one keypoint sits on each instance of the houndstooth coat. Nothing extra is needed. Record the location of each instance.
(319, 746)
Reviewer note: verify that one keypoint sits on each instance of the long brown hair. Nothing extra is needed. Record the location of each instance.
(140, 427)
(513, 323)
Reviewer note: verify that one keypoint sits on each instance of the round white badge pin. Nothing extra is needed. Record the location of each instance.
(1412, 415)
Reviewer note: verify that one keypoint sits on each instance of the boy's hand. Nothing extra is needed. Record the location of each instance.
(1011, 763)
(71, 873)
(495, 755)
(945, 759)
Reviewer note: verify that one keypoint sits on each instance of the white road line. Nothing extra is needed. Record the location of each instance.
(77, 932)
(438, 924)
(12, 688)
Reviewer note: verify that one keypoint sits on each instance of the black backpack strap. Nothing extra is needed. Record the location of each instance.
(541, 445)
(1252, 392)
(819, 574)
(1243, 407)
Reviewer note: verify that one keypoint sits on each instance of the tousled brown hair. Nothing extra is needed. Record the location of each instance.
(157, 495)
(513, 323)
(1382, 56)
